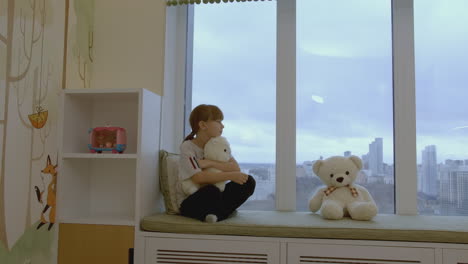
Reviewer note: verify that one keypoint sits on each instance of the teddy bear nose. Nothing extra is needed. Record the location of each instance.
(340, 179)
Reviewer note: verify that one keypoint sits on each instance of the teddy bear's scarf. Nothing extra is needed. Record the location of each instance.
(330, 189)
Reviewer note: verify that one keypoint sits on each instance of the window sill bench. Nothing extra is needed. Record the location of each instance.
(436, 229)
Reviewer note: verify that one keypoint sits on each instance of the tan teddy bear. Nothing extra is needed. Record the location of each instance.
(341, 197)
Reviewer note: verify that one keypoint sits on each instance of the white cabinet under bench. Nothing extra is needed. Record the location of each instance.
(301, 237)
(345, 252)
(215, 250)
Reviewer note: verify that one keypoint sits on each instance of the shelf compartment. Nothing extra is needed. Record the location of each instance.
(83, 111)
(97, 191)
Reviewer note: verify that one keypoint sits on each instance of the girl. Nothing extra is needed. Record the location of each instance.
(209, 204)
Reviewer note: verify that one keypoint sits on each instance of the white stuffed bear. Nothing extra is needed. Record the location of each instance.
(341, 197)
(217, 149)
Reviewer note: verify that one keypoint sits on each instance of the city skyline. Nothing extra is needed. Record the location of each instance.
(442, 186)
(376, 147)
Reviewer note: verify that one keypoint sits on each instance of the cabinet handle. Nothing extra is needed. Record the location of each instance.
(130, 255)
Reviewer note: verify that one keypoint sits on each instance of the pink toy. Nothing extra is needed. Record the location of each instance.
(107, 139)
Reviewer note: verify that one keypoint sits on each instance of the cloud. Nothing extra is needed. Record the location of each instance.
(344, 28)
(447, 147)
(344, 55)
(330, 50)
(317, 99)
(311, 147)
(460, 127)
(251, 141)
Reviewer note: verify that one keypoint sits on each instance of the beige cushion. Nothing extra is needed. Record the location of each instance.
(168, 180)
(439, 229)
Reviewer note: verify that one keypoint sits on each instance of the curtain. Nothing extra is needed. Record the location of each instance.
(191, 2)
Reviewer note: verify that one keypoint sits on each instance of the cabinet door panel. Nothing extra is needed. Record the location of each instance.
(94, 244)
(455, 256)
(174, 250)
(315, 253)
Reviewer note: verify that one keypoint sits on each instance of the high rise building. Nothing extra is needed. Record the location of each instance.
(420, 177)
(308, 168)
(365, 161)
(453, 191)
(376, 156)
(429, 171)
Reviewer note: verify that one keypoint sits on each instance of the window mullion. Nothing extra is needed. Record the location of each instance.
(404, 105)
(176, 59)
(186, 41)
(286, 106)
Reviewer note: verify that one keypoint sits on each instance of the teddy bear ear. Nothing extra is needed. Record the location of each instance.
(317, 166)
(357, 161)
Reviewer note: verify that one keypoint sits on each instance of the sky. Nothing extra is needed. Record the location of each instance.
(344, 76)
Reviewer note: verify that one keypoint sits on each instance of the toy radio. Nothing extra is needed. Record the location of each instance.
(107, 139)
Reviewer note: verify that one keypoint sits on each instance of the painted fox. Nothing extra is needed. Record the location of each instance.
(51, 195)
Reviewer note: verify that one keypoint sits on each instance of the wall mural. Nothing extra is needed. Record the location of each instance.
(81, 44)
(49, 201)
(31, 62)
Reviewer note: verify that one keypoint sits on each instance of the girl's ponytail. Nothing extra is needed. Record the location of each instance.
(190, 136)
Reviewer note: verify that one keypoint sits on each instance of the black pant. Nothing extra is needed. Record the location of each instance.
(210, 200)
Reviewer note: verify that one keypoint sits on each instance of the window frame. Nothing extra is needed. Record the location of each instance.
(404, 99)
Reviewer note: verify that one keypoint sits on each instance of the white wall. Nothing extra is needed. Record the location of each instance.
(129, 44)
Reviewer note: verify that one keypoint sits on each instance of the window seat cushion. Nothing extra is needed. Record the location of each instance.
(437, 229)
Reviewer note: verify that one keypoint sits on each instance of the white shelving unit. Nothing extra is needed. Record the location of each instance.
(98, 156)
(106, 188)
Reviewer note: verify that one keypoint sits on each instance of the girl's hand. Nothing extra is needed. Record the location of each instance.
(239, 177)
(233, 165)
(204, 163)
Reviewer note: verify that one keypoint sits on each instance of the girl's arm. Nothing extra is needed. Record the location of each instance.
(207, 177)
(228, 166)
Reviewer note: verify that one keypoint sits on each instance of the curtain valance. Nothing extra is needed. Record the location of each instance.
(191, 2)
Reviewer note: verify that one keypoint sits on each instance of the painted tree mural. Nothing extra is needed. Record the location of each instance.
(82, 39)
(26, 75)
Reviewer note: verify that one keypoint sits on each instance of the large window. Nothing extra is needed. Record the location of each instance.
(234, 67)
(344, 93)
(354, 78)
(441, 41)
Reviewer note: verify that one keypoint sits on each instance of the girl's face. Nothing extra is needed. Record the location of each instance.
(214, 128)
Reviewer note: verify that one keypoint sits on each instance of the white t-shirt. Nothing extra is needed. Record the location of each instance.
(188, 165)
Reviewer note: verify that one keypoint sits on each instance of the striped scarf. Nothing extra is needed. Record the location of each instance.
(330, 189)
